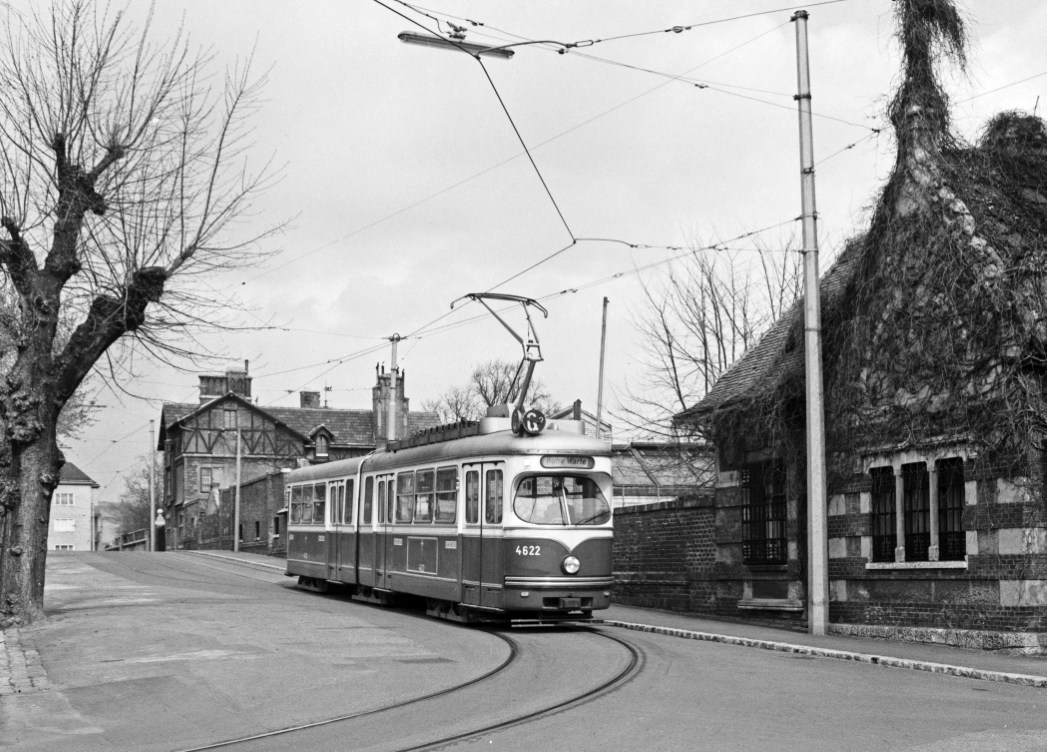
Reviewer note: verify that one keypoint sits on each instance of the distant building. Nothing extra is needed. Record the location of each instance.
(72, 503)
(647, 472)
(575, 412)
(200, 451)
(106, 524)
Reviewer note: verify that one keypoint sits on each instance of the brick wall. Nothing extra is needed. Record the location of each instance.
(664, 555)
(259, 501)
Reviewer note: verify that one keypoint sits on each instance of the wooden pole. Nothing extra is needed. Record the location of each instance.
(152, 489)
(599, 389)
(236, 494)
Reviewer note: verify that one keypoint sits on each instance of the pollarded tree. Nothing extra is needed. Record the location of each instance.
(123, 172)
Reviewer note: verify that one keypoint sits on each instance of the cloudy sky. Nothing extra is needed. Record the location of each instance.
(405, 185)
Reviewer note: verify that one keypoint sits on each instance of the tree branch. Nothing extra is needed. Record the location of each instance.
(108, 319)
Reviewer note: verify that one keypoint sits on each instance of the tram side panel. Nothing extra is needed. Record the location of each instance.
(306, 536)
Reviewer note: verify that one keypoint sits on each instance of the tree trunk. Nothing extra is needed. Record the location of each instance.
(33, 472)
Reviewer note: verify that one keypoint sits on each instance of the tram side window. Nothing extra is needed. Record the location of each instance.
(365, 518)
(391, 500)
(446, 494)
(472, 497)
(423, 500)
(493, 500)
(296, 505)
(334, 493)
(404, 497)
(319, 502)
(307, 505)
(348, 491)
(381, 501)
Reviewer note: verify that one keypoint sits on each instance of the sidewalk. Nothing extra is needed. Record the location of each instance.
(977, 664)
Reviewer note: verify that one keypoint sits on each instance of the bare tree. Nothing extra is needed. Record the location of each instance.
(133, 504)
(493, 382)
(698, 319)
(123, 174)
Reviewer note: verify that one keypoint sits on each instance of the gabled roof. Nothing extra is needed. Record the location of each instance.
(568, 412)
(74, 476)
(348, 428)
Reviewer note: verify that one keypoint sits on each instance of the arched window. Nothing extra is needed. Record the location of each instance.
(321, 446)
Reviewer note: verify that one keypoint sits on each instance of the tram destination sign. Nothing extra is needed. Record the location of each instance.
(558, 460)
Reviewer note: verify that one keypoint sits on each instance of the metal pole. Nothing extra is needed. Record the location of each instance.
(817, 542)
(152, 490)
(391, 418)
(599, 389)
(236, 494)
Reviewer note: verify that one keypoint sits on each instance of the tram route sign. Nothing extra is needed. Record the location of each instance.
(528, 423)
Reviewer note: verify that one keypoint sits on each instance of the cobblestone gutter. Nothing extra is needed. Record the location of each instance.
(21, 671)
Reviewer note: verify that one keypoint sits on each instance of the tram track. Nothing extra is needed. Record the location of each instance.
(287, 734)
(194, 562)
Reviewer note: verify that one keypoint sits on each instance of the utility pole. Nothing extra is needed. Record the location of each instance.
(817, 541)
(391, 415)
(236, 494)
(599, 389)
(152, 490)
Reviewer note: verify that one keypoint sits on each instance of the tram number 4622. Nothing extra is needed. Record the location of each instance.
(528, 550)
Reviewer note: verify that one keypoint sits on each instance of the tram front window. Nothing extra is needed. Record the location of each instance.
(552, 499)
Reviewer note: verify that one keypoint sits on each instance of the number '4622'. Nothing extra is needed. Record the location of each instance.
(528, 550)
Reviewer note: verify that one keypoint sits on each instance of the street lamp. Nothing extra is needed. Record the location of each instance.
(425, 40)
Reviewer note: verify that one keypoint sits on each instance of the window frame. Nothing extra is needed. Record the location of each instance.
(916, 509)
(764, 513)
(404, 509)
(952, 498)
(445, 494)
(884, 512)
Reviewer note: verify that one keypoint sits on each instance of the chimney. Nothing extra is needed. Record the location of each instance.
(218, 385)
(577, 415)
(310, 399)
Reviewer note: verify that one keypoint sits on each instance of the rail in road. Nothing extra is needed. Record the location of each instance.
(527, 665)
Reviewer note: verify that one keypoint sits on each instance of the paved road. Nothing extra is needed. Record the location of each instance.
(173, 651)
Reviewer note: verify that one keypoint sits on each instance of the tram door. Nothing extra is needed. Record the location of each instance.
(384, 537)
(483, 560)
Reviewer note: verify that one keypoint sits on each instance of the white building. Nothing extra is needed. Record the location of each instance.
(72, 509)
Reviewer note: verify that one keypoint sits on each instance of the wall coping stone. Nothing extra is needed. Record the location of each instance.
(699, 503)
(916, 565)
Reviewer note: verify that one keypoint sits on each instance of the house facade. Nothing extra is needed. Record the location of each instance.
(203, 455)
(935, 383)
(72, 511)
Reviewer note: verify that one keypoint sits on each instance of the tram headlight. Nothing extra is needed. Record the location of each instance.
(571, 565)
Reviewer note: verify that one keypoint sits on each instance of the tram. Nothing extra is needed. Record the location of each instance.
(507, 518)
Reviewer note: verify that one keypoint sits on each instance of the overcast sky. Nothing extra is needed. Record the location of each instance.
(406, 185)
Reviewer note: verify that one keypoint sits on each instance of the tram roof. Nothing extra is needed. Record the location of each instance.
(550, 441)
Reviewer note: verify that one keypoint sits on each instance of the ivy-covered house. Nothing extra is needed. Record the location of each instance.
(935, 367)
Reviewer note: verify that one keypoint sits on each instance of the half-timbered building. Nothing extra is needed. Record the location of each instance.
(199, 442)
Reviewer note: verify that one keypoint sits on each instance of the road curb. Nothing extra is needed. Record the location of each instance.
(845, 655)
(236, 559)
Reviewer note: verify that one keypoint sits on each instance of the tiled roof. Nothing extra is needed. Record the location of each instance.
(779, 353)
(74, 476)
(349, 428)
